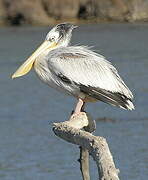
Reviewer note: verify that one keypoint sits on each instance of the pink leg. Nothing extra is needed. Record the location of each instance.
(79, 106)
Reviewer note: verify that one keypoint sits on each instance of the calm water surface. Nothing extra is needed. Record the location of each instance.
(28, 148)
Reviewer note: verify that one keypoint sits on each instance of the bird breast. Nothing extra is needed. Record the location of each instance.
(49, 77)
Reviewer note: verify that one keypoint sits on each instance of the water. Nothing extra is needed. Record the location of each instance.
(28, 148)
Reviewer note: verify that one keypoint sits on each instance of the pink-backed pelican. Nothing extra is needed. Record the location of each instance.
(77, 71)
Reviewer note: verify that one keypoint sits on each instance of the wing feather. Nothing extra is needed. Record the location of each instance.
(83, 66)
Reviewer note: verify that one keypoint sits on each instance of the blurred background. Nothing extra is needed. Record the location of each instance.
(45, 12)
(118, 30)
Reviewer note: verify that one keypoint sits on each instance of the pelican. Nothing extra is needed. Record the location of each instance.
(77, 71)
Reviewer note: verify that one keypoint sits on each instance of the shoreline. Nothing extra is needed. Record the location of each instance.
(75, 21)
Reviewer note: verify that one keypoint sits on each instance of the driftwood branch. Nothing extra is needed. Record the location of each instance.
(96, 146)
(84, 163)
(84, 153)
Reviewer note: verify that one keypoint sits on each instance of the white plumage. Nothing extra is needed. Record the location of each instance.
(80, 72)
(83, 66)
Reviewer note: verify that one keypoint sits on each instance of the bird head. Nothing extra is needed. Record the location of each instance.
(61, 34)
(58, 36)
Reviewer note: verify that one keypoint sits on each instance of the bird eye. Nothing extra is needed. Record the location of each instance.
(52, 39)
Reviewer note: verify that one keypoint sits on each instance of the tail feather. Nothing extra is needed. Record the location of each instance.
(113, 98)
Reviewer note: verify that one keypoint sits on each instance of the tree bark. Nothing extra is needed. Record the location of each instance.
(96, 146)
(84, 163)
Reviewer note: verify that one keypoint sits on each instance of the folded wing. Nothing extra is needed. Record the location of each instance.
(92, 73)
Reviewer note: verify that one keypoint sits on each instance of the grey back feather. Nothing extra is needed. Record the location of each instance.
(83, 66)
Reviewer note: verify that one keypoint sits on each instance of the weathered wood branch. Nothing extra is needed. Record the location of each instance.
(84, 163)
(84, 153)
(97, 146)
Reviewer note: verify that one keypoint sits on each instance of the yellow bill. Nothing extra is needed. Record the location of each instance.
(27, 65)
